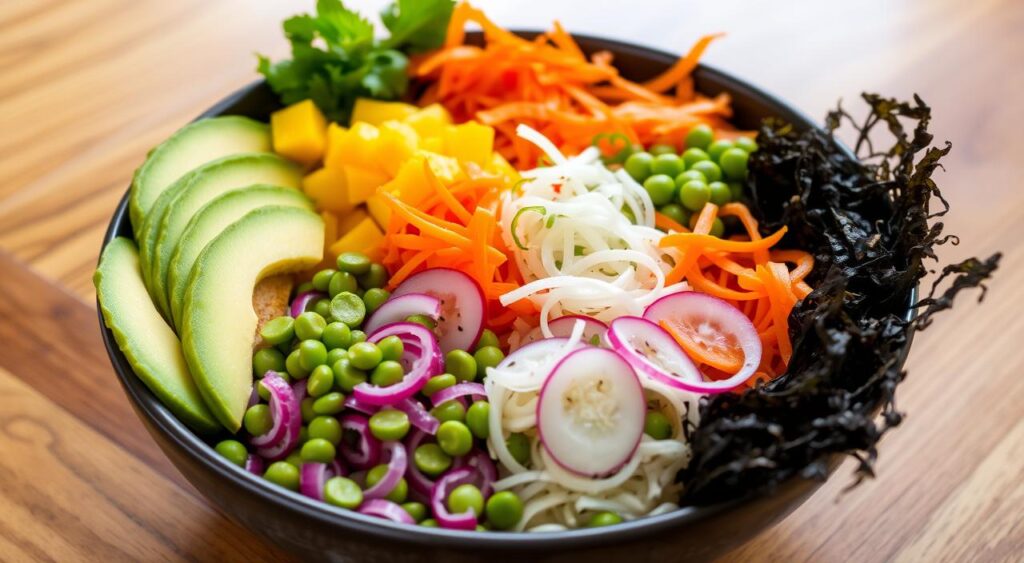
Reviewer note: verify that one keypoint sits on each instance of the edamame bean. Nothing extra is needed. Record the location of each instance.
(487, 338)
(638, 165)
(320, 381)
(391, 348)
(668, 164)
(416, 510)
(438, 382)
(375, 277)
(477, 419)
(341, 282)
(312, 353)
(337, 335)
(487, 357)
(397, 494)
(461, 364)
(343, 492)
(709, 169)
(331, 403)
(322, 279)
(661, 188)
(257, 420)
(353, 262)
(347, 307)
(336, 354)
(358, 336)
(318, 450)
(322, 307)
(283, 474)
(278, 331)
(431, 459)
(604, 519)
(365, 355)
(233, 451)
(327, 428)
(693, 195)
(464, 498)
(734, 163)
(449, 410)
(389, 424)
(700, 137)
(675, 212)
(693, 156)
(504, 510)
(422, 320)
(660, 149)
(309, 326)
(716, 148)
(294, 365)
(454, 438)
(306, 409)
(429, 523)
(267, 359)
(736, 189)
(746, 143)
(657, 425)
(387, 373)
(374, 298)
(519, 446)
(347, 376)
(719, 193)
(688, 176)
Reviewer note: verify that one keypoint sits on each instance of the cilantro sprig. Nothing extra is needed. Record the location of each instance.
(336, 59)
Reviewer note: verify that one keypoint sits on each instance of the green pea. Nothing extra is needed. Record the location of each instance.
(657, 425)
(716, 148)
(477, 419)
(638, 165)
(322, 307)
(519, 446)
(700, 137)
(320, 381)
(604, 519)
(487, 357)
(348, 308)
(337, 335)
(504, 510)
(397, 494)
(335, 354)
(465, 498)
(487, 338)
(375, 277)
(312, 353)
(387, 373)
(391, 348)
(309, 326)
(322, 279)
(720, 193)
(416, 510)
(294, 365)
(747, 144)
(389, 424)
(660, 149)
(454, 438)
(262, 391)
(318, 450)
(358, 336)
(341, 282)
(306, 409)
(343, 492)
(736, 189)
(267, 359)
(669, 164)
(326, 428)
(734, 163)
(693, 156)
(661, 188)
(461, 364)
(709, 169)
(429, 523)
(304, 287)
(374, 298)
(438, 382)
(347, 376)
(449, 410)
(422, 320)
(353, 262)
(331, 403)
(431, 459)
(278, 331)
(689, 175)
(693, 195)
(303, 436)
(295, 458)
(675, 212)
(365, 355)
(233, 451)
(257, 419)
(717, 228)
(283, 474)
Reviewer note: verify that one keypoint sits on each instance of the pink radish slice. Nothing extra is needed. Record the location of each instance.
(710, 323)
(593, 329)
(654, 353)
(397, 309)
(590, 414)
(462, 305)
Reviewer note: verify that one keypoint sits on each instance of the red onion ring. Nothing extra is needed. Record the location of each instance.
(422, 361)
(338, 469)
(355, 404)
(287, 417)
(398, 461)
(462, 521)
(387, 510)
(312, 477)
(418, 482)
(418, 415)
(302, 300)
(458, 390)
(479, 460)
(368, 452)
(254, 464)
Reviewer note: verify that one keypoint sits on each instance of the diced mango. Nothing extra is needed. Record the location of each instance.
(398, 142)
(362, 183)
(299, 132)
(432, 144)
(330, 227)
(355, 146)
(470, 142)
(362, 238)
(499, 165)
(329, 188)
(430, 121)
(348, 221)
(376, 112)
(446, 168)
(379, 210)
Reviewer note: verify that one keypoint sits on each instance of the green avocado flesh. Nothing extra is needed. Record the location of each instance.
(183, 200)
(192, 145)
(218, 320)
(211, 220)
(146, 340)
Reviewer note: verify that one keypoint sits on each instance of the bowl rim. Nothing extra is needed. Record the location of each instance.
(184, 439)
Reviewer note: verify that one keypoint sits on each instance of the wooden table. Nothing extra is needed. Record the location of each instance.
(88, 86)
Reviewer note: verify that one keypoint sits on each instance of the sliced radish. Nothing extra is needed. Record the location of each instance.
(462, 305)
(397, 309)
(593, 329)
(590, 415)
(654, 353)
(712, 330)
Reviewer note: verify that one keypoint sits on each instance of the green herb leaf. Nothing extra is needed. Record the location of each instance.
(417, 25)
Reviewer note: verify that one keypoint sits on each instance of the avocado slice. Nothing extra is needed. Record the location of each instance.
(218, 320)
(213, 218)
(192, 145)
(183, 200)
(149, 344)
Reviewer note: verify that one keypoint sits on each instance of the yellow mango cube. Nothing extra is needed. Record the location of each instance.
(432, 144)
(329, 189)
(299, 132)
(363, 237)
(398, 142)
(446, 168)
(330, 228)
(376, 112)
(499, 165)
(430, 121)
(356, 146)
(470, 142)
(348, 221)
(379, 210)
(362, 183)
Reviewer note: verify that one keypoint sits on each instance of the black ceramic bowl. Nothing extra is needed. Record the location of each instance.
(316, 530)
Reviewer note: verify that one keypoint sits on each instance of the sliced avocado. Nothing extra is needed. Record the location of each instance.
(192, 145)
(184, 200)
(213, 218)
(218, 320)
(149, 344)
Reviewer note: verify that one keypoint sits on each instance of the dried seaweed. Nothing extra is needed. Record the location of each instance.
(867, 217)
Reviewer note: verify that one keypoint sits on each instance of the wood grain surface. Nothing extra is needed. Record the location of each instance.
(88, 86)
